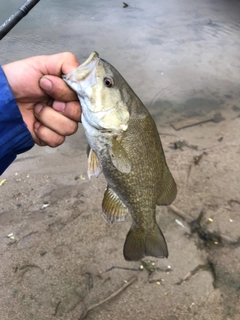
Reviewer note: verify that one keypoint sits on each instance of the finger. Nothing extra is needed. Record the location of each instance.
(56, 64)
(65, 61)
(36, 139)
(46, 136)
(57, 88)
(54, 120)
(71, 110)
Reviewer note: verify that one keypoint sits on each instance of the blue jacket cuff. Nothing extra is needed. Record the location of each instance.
(15, 137)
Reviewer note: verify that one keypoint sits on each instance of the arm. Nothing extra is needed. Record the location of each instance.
(15, 138)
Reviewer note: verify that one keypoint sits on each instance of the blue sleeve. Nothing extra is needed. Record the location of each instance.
(15, 137)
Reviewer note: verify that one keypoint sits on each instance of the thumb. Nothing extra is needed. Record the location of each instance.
(57, 88)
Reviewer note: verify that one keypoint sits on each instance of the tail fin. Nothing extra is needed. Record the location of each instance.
(140, 243)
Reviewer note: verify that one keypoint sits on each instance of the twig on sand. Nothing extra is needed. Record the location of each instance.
(90, 281)
(56, 308)
(167, 134)
(190, 122)
(189, 172)
(122, 268)
(191, 273)
(178, 212)
(113, 295)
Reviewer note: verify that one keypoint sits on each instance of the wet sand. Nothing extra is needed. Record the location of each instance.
(55, 266)
(55, 247)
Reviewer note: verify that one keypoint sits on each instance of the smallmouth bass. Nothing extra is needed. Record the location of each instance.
(124, 144)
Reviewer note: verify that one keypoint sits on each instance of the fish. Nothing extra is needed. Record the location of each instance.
(125, 146)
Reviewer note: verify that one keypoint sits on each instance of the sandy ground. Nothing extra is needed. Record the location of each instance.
(55, 263)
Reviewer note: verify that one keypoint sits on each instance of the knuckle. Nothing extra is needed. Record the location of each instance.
(73, 110)
(71, 128)
(42, 113)
(48, 137)
(56, 141)
(70, 56)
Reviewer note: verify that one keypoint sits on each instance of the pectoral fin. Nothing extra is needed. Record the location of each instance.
(113, 208)
(94, 166)
(119, 157)
(168, 190)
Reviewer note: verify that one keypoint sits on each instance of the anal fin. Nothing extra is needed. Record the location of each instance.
(113, 207)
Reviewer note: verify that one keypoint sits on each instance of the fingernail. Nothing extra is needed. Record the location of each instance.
(38, 108)
(37, 125)
(59, 106)
(45, 84)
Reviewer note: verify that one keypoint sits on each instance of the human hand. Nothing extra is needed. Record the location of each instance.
(49, 108)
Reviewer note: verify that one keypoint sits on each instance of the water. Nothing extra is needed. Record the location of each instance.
(167, 50)
(181, 57)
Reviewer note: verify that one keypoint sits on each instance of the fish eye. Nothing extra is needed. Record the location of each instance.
(108, 82)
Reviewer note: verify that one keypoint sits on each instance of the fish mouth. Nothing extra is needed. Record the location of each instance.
(84, 75)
